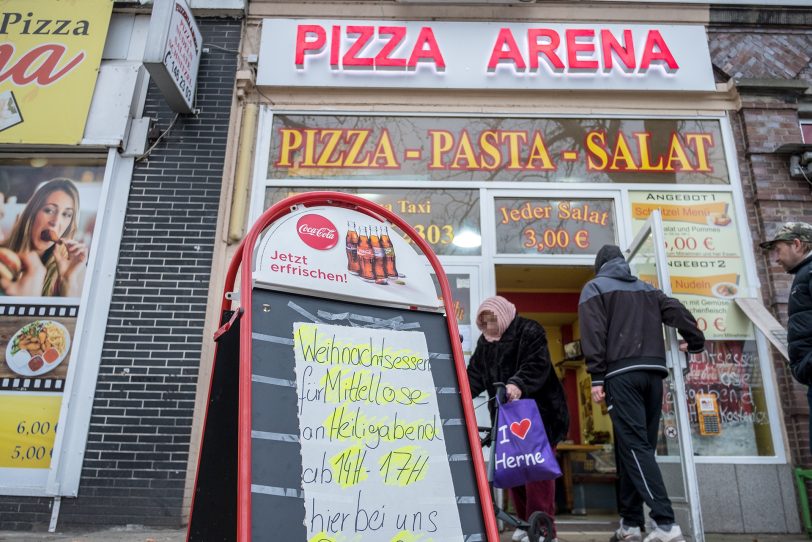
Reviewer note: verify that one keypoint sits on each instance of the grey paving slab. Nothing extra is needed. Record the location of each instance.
(719, 498)
(760, 493)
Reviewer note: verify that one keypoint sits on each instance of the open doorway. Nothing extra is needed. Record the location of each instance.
(585, 494)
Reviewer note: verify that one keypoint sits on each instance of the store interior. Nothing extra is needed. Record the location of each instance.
(549, 294)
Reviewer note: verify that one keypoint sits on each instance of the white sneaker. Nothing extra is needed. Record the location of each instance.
(519, 535)
(674, 534)
(627, 534)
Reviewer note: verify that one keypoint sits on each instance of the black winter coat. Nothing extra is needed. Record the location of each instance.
(520, 357)
(799, 330)
(621, 319)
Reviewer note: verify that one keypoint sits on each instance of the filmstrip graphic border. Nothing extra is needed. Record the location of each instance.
(67, 311)
(23, 383)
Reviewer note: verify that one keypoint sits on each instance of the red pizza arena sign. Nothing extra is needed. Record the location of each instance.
(504, 55)
(574, 49)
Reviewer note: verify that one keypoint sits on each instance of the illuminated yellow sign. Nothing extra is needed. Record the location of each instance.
(50, 52)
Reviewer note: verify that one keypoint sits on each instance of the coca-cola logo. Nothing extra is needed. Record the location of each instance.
(317, 232)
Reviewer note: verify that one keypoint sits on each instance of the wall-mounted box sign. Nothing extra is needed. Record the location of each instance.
(596, 150)
(554, 226)
(172, 55)
(430, 54)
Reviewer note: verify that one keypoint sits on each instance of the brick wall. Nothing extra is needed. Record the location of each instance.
(767, 119)
(135, 465)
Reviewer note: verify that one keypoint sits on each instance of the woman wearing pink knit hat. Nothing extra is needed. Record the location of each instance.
(513, 350)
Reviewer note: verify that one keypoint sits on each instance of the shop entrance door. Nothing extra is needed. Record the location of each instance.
(647, 259)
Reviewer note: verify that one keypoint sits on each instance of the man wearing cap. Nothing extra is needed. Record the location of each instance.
(792, 249)
(621, 321)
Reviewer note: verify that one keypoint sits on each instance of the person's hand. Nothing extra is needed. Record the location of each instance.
(597, 394)
(513, 392)
(683, 346)
(70, 257)
(31, 278)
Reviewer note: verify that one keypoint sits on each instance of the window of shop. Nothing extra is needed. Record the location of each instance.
(806, 131)
(549, 192)
(447, 219)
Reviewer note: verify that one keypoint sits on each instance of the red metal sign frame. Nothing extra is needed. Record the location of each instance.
(242, 261)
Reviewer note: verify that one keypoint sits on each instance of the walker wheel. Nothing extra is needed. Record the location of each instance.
(541, 527)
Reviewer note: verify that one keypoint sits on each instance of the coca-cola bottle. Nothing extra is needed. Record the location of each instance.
(379, 259)
(353, 266)
(389, 252)
(365, 257)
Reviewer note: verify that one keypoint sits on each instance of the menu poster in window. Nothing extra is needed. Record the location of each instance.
(554, 226)
(704, 256)
(368, 419)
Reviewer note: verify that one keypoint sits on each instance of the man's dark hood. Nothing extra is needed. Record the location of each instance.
(606, 253)
(617, 268)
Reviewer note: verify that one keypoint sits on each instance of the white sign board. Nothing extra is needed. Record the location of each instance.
(373, 453)
(343, 254)
(172, 54)
(483, 55)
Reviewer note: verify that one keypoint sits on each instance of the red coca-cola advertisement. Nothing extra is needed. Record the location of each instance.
(372, 262)
(317, 232)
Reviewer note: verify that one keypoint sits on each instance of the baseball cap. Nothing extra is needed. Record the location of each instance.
(790, 231)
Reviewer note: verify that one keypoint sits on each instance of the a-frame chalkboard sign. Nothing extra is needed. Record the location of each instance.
(339, 408)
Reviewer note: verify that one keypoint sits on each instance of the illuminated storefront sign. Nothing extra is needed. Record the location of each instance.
(498, 149)
(430, 54)
(49, 57)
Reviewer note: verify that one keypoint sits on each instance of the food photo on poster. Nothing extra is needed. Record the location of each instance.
(37, 347)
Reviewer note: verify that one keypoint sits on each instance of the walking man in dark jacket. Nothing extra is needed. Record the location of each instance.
(792, 249)
(621, 320)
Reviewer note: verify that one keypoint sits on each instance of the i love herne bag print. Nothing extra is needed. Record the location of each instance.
(523, 453)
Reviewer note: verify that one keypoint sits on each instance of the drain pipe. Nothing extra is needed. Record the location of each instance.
(242, 173)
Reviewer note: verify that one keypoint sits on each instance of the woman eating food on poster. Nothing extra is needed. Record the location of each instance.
(40, 256)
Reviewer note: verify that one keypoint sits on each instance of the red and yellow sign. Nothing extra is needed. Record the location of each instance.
(50, 52)
(497, 149)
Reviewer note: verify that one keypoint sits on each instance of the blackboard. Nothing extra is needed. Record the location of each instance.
(279, 500)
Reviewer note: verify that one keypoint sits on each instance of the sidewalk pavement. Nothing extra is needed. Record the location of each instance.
(134, 533)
